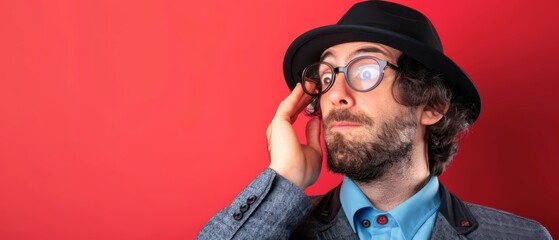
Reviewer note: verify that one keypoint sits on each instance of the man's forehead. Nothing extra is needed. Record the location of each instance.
(351, 48)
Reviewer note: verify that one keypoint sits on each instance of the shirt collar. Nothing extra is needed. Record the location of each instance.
(352, 199)
(410, 214)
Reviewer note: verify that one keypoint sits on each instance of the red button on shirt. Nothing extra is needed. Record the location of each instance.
(382, 219)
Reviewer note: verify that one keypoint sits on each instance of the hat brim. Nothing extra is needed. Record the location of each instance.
(307, 48)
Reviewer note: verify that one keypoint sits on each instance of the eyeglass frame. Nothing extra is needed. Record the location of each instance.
(382, 65)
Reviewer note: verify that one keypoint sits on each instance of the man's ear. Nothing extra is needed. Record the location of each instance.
(430, 115)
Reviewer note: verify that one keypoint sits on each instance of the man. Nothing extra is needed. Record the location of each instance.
(392, 105)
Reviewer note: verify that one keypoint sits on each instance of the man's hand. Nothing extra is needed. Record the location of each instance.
(299, 163)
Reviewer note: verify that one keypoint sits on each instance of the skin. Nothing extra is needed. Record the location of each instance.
(301, 163)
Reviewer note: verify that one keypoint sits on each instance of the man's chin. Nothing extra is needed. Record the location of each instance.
(356, 171)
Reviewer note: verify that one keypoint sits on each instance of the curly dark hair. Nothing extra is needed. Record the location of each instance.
(418, 85)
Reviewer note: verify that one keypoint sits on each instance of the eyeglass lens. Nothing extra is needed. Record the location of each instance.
(362, 75)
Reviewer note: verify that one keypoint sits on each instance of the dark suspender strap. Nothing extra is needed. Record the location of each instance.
(329, 206)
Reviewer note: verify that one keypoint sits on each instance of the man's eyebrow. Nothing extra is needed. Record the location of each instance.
(369, 50)
(325, 55)
(357, 52)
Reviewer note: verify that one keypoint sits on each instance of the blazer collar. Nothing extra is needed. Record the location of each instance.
(453, 218)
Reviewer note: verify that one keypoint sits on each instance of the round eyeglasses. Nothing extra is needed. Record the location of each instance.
(362, 74)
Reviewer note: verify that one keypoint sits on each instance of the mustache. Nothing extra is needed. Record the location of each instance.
(344, 114)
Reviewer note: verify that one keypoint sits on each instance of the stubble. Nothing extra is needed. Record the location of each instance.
(368, 156)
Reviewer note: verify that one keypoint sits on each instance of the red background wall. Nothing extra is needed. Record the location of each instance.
(141, 119)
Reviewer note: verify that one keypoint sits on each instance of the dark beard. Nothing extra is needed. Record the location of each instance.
(365, 159)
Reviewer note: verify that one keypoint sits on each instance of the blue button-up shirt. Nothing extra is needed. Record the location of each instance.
(412, 219)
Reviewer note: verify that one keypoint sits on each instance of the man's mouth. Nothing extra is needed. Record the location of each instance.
(343, 125)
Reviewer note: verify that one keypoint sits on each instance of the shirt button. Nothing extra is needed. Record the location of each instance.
(382, 219)
(366, 223)
(237, 215)
(243, 207)
(251, 199)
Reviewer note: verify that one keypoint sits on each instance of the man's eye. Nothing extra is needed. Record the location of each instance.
(326, 79)
(368, 73)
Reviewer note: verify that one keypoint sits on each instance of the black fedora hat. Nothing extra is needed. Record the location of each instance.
(391, 24)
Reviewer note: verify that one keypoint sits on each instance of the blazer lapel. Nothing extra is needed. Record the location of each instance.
(339, 228)
(443, 230)
(328, 219)
(454, 220)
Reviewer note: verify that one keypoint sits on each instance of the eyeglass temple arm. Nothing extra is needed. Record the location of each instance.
(390, 65)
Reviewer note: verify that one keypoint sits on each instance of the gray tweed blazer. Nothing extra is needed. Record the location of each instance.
(271, 207)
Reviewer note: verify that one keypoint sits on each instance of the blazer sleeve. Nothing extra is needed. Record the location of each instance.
(270, 207)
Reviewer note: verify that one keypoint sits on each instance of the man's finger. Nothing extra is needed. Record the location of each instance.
(304, 102)
(289, 104)
(294, 104)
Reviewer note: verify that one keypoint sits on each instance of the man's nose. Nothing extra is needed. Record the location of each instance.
(340, 94)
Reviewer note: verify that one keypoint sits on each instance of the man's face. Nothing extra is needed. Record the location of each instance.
(366, 133)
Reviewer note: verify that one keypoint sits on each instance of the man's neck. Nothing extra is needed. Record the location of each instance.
(397, 184)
